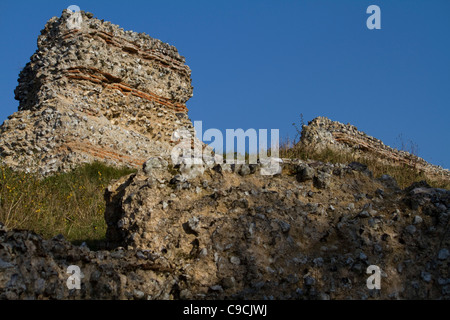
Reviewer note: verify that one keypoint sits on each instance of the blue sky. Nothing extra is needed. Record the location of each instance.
(260, 64)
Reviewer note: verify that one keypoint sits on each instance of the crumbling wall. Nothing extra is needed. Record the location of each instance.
(95, 93)
(322, 133)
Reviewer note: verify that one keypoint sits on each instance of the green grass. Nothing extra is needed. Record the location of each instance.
(70, 204)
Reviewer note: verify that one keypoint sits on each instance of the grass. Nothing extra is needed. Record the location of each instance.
(69, 203)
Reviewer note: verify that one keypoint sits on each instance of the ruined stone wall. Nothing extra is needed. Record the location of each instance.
(322, 133)
(96, 92)
(310, 232)
(221, 232)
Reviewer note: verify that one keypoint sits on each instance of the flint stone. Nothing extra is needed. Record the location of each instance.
(155, 164)
(322, 180)
(443, 254)
(305, 173)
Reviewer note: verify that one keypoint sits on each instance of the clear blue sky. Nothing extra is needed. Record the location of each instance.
(259, 64)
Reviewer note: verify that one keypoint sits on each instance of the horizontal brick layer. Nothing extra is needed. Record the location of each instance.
(133, 48)
(97, 76)
(103, 154)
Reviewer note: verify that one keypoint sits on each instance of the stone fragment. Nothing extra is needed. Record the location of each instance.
(411, 229)
(443, 254)
(322, 180)
(305, 173)
(155, 164)
(417, 220)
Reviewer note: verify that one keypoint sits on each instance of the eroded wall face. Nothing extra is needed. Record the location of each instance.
(96, 92)
(322, 133)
